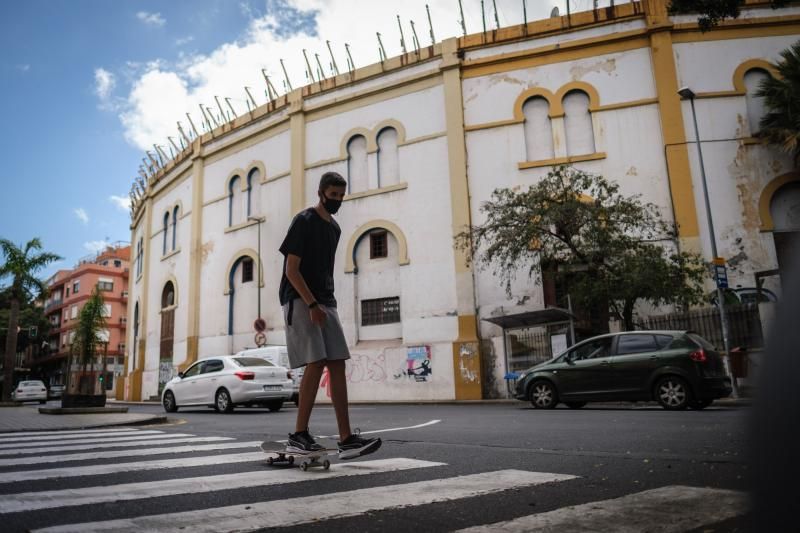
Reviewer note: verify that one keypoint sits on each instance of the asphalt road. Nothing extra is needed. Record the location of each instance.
(430, 453)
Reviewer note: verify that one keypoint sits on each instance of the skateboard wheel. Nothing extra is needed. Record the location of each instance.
(326, 464)
(291, 459)
(270, 461)
(304, 466)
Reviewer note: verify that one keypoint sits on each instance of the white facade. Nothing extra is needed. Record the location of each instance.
(600, 96)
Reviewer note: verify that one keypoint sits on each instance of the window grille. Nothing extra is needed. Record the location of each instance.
(378, 245)
(380, 311)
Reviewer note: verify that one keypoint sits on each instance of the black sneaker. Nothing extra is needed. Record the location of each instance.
(354, 446)
(302, 442)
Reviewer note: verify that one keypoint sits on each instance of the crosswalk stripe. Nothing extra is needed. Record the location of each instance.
(138, 436)
(96, 470)
(64, 432)
(283, 513)
(29, 501)
(137, 452)
(673, 509)
(46, 449)
(11, 442)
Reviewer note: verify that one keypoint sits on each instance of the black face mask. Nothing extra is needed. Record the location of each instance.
(330, 205)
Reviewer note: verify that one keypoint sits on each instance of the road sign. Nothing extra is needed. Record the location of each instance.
(260, 325)
(721, 276)
(261, 339)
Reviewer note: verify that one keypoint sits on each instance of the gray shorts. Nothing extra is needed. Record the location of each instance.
(307, 342)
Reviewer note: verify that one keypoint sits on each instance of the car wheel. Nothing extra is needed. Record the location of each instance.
(223, 402)
(673, 393)
(700, 404)
(575, 405)
(275, 406)
(170, 405)
(543, 395)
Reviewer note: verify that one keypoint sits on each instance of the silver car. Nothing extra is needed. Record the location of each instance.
(29, 391)
(225, 381)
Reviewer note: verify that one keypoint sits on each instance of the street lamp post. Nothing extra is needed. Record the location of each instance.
(687, 94)
(259, 220)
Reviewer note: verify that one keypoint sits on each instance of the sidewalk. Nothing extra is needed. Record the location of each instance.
(28, 418)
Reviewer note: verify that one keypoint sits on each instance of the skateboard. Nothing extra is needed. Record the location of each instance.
(279, 455)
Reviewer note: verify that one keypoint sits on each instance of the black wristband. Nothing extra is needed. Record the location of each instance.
(312, 305)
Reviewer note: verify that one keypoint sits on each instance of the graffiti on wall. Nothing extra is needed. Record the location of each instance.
(468, 362)
(361, 368)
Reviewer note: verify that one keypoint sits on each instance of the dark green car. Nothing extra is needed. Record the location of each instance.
(678, 369)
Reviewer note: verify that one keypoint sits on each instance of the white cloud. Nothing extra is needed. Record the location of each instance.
(162, 93)
(184, 40)
(123, 203)
(151, 19)
(81, 214)
(96, 246)
(104, 83)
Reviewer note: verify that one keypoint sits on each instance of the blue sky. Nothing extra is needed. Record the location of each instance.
(87, 86)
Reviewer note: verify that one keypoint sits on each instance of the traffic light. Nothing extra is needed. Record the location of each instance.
(101, 377)
(33, 332)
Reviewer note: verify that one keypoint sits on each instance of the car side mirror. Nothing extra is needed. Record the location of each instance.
(569, 360)
(180, 375)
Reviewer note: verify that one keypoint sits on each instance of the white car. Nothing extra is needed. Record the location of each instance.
(28, 391)
(225, 381)
(279, 356)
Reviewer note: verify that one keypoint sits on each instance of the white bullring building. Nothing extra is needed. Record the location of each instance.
(423, 139)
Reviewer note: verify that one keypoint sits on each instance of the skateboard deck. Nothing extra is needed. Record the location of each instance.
(277, 454)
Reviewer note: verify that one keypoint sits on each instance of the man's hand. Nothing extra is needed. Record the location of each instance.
(318, 315)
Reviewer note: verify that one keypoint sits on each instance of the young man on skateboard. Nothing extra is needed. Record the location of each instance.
(314, 336)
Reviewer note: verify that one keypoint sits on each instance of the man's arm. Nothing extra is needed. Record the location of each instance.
(299, 283)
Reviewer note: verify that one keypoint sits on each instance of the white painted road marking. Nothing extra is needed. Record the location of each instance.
(35, 440)
(96, 470)
(284, 513)
(29, 501)
(92, 439)
(64, 432)
(428, 423)
(46, 449)
(72, 457)
(671, 509)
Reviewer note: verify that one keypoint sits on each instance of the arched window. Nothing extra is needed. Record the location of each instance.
(234, 201)
(578, 123)
(166, 228)
(168, 295)
(357, 173)
(755, 104)
(139, 256)
(253, 177)
(538, 129)
(388, 168)
(135, 333)
(242, 294)
(174, 226)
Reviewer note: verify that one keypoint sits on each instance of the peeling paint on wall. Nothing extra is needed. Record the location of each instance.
(206, 250)
(579, 71)
(468, 362)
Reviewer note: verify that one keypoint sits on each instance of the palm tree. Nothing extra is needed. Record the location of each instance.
(87, 342)
(781, 124)
(21, 265)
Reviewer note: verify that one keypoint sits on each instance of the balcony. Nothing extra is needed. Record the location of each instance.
(53, 305)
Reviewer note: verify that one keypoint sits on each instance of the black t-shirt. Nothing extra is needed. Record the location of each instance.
(313, 239)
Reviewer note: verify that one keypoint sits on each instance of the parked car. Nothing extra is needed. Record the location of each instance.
(28, 391)
(678, 369)
(279, 356)
(55, 391)
(225, 381)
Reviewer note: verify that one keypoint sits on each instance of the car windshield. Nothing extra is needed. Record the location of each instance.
(31, 384)
(251, 361)
(701, 341)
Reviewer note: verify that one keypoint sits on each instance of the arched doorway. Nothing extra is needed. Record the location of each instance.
(167, 335)
(243, 286)
(784, 207)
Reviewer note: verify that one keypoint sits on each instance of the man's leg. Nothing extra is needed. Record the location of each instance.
(308, 393)
(339, 396)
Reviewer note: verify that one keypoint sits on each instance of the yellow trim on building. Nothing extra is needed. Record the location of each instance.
(391, 227)
(374, 192)
(561, 160)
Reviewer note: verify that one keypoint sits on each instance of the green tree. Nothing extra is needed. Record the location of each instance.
(21, 265)
(604, 245)
(88, 341)
(31, 314)
(781, 124)
(712, 12)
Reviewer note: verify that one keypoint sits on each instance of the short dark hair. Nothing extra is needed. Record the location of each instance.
(331, 179)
